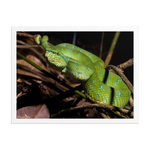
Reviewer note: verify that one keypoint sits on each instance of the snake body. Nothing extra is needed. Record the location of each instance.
(100, 85)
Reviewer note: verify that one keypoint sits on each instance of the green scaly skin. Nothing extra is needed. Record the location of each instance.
(100, 86)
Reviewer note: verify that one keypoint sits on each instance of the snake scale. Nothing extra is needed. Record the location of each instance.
(100, 85)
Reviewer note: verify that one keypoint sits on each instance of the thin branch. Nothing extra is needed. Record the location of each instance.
(101, 46)
(126, 64)
(112, 47)
(21, 42)
(27, 46)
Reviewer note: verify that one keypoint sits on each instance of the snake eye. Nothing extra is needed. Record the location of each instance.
(57, 53)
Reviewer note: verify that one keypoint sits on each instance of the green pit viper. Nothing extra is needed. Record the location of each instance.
(100, 85)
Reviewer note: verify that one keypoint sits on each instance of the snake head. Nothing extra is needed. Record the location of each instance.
(56, 59)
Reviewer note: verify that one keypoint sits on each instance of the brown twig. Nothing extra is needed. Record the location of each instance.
(25, 34)
(27, 46)
(126, 64)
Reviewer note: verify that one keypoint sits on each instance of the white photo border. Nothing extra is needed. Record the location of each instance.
(15, 29)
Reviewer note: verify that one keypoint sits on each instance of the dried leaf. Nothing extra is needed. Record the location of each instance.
(39, 111)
